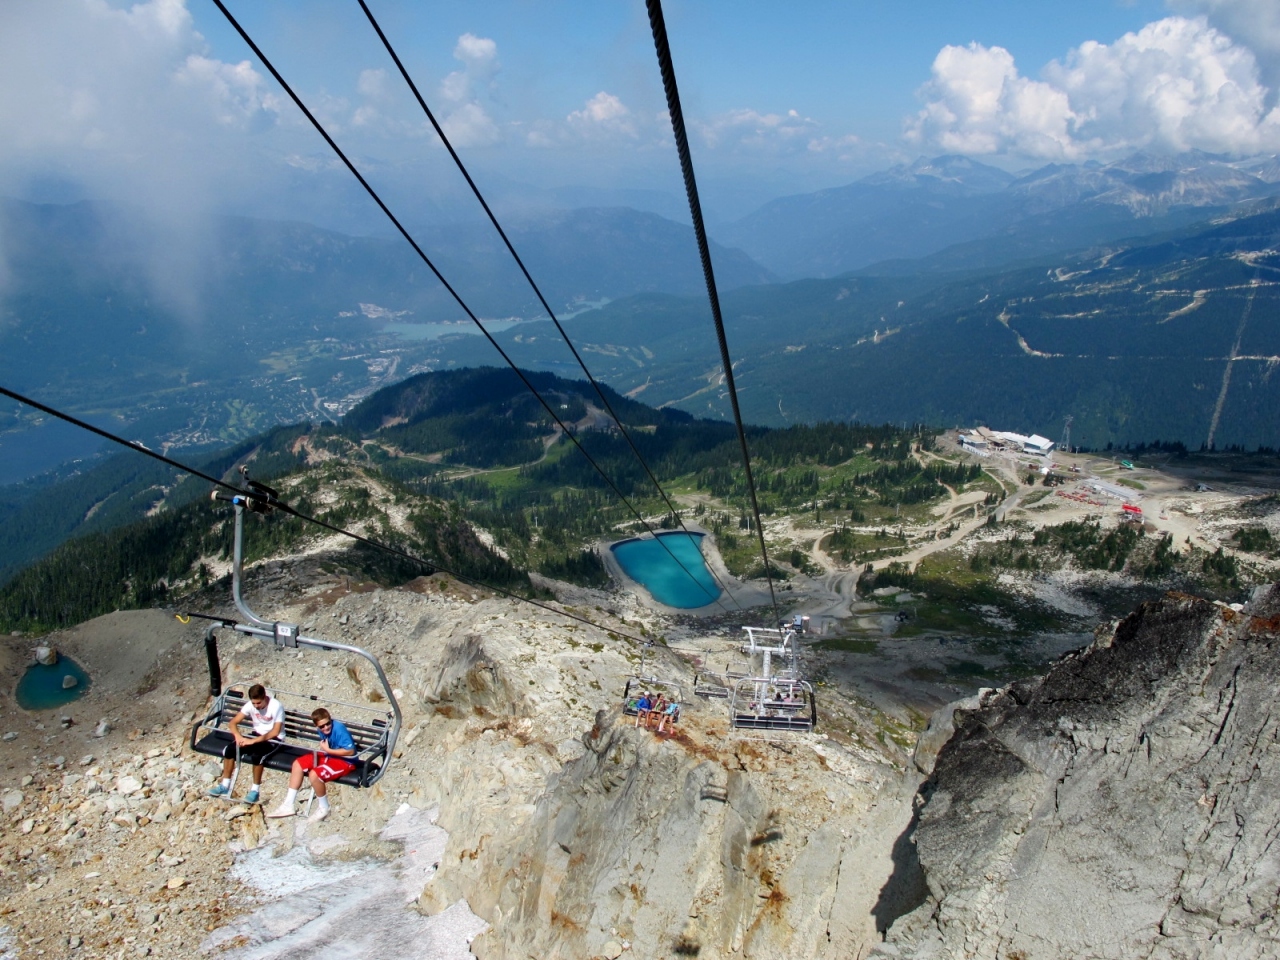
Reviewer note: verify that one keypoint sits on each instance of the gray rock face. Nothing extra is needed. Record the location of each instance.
(938, 732)
(1124, 805)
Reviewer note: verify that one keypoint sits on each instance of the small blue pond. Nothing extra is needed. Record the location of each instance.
(41, 687)
(648, 563)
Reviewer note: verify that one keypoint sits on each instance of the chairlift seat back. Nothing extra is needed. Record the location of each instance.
(301, 738)
(748, 709)
(710, 685)
(752, 721)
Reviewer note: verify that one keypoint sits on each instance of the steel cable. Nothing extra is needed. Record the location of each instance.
(445, 283)
(663, 48)
(537, 291)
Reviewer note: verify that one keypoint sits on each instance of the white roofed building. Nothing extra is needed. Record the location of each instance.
(1039, 445)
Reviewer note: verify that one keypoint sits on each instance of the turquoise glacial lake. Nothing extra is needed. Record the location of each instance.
(648, 563)
(41, 687)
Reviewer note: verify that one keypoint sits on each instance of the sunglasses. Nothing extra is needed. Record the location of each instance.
(324, 726)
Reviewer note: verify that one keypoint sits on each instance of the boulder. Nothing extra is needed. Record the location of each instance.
(938, 732)
(128, 785)
(68, 683)
(46, 655)
(12, 800)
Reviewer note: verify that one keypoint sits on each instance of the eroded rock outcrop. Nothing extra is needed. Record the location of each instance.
(1124, 805)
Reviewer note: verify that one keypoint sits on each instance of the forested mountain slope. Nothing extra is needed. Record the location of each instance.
(1132, 339)
(423, 465)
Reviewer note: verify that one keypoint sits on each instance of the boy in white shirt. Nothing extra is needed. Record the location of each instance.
(266, 716)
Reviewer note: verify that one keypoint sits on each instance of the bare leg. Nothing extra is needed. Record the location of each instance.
(228, 767)
(257, 775)
(317, 784)
(295, 776)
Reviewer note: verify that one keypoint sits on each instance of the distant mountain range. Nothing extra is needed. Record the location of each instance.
(260, 322)
(256, 323)
(989, 216)
(1134, 339)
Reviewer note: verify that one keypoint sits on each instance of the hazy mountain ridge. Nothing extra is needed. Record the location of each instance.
(922, 208)
(1118, 337)
(257, 323)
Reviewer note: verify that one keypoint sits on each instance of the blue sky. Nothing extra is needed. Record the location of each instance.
(159, 105)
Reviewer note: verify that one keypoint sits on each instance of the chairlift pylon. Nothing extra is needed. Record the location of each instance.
(375, 735)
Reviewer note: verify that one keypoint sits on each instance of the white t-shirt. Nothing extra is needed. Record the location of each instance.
(264, 720)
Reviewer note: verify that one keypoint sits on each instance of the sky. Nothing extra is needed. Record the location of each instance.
(159, 107)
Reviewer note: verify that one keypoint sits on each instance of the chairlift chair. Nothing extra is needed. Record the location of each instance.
(760, 639)
(375, 732)
(773, 703)
(710, 685)
(772, 700)
(644, 685)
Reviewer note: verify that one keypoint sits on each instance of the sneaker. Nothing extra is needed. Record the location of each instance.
(281, 811)
(218, 791)
(251, 796)
(319, 815)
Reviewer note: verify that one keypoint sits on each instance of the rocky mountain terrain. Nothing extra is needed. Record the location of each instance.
(557, 823)
(1121, 806)
(1117, 807)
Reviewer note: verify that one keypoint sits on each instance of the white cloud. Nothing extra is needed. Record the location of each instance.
(469, 124)
(476, 52)
(1251, 23)
(752, 133)
(603, 115)
(751, 128)
(127, 106)
(479, 56)
(1176, 84)
(372, 84)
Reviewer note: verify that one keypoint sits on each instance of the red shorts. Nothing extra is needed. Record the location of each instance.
(326, 767)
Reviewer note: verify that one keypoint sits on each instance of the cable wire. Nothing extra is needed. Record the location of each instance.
(663, 49)
(537, 291)
(431, 565)
(449, 287)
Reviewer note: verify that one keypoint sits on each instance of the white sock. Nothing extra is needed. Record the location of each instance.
(226, 783)
(289, 797)
(324, 803)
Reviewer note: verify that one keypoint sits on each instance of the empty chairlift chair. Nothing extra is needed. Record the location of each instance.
(374, 729)
(710, 684)
(773, 703)
(769, 700)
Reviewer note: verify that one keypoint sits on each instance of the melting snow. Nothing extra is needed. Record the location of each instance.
(349, 909)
